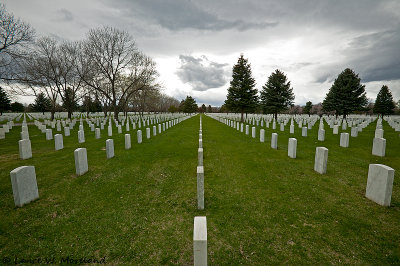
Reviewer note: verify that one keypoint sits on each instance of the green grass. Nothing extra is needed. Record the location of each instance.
(262, 207)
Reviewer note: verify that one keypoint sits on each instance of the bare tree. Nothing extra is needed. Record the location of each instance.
(111, 64)
(15, 35)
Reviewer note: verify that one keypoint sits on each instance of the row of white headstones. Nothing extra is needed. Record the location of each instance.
(380, 177)
(23, 178)
(200, 222)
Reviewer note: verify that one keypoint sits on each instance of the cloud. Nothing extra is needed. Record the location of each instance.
(64, 15)
(201, 73)
(177, 15)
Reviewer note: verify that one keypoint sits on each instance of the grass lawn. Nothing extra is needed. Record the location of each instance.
(262, 207)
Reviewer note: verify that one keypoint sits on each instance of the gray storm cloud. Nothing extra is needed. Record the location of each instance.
(201, 73)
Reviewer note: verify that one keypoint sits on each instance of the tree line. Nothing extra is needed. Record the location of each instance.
(104, 69)
(346, 95)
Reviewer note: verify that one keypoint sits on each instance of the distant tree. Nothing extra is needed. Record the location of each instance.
(17, 107)
(181, 106)
(42, 103)
(172, 109)
(190, 105)
(223, 109)
(242, 94)
(307, 108)
(295, 110)
(384, 104)
(276, 95)
(4, 101)
(203, 108)
(317, 109)
(209, 109)
(346, 95)
(15, 35)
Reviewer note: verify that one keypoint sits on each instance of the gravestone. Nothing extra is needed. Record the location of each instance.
(81, 162)
(379, 133)
(354, 132)
(109, 131)
(127, 141)
(274, 141)
(247, 129)
(58, 142)
(304, 131)
(379, 147)
(24, 135)
(148, 132)
(25, 150)
(49, 134)
(200, 241)
(139, 136)
(200, 143)
(24, 185)
(67, 132)
(119, 129)
(253, 132)
(321, 134)
(2, 133)
(335, 129)
(97, 133)
(81, 136)
(159, 128)
(344, 140)
(200, 187)
(262, 135)
(380, 184)
(154, 131)
(321, 160)
(200, 156)
(110, 148)
(292, 148)
(291, 129)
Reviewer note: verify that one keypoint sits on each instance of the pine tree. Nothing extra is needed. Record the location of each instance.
(242, 94)
(4, 101)
(209, 109)
(276, 95)
(346, 95)
(307, 108)
(17, 107)
(384, 104)
(42, 103)
(189, 105)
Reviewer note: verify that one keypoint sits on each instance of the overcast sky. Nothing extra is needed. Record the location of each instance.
(196, 43)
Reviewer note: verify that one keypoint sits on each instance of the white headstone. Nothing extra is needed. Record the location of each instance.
(25, 150)
(127, 141)
(380, 184)
(58, 142)
(109, 131)
(200, 156)
(200, 187)
(379, 147)
(304, 132)
(292, 148)
(154, 131)
(97, 133)
(81, 136)
(262, 135)
(321, 134)
(67, 131)
(24, 186)
(247, 129)
(344, 140)
(81, 162)
(49, 134)
(110, 148)
(200, 241)
(139, 136)
(321, 160)
(253, 132)
(274, 141)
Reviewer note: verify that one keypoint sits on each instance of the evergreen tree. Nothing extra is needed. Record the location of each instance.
(42, 103)
(189, 105)
(17, 107)
(203, 108)
(242, 96)
(384, 104)
(346, 95)
(276, 94)
(209, 109)
(307, 108)
(4, 101)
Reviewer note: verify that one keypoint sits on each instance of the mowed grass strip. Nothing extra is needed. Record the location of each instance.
(137, 207)
(264, 208)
